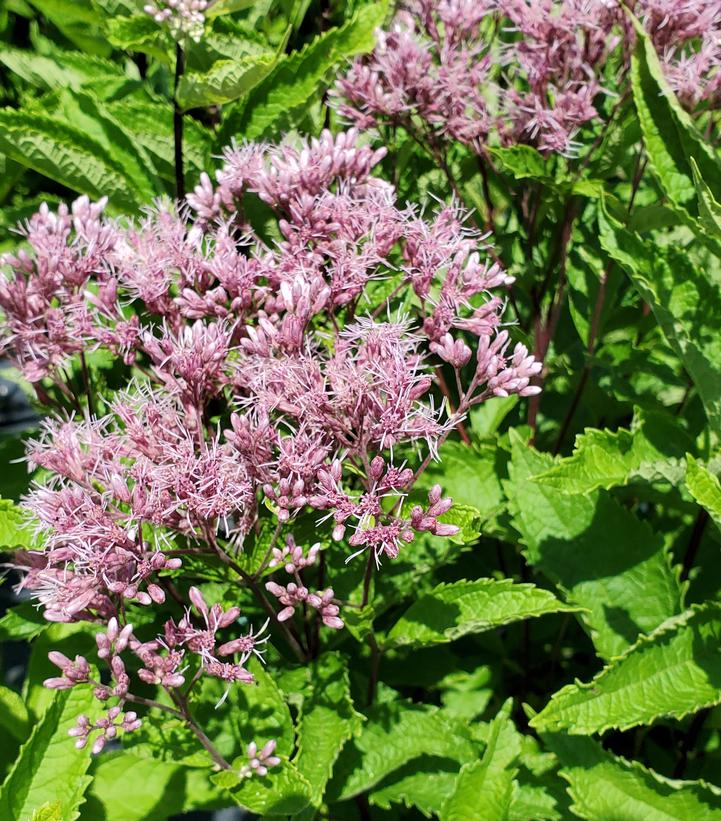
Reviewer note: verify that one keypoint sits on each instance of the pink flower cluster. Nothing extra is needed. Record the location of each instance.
(436, 72)
(687, 36)
(183, 18)
(265, 361)
(519, 71)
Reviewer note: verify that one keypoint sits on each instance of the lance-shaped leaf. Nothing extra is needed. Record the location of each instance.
(602, 785)
(484, 789)
(670, 137)
(396, 733)
(450, 611)
(653, 450)
(67, 155)
(685, 302)
(297, 76)
(95, 119)
(49, 768)
(705, 487)
(61, 69)
(328, 719)
(150, 124)
(225, 81)
(606, 559)
(672, 672)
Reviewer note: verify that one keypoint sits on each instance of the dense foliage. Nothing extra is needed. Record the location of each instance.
(369, 458)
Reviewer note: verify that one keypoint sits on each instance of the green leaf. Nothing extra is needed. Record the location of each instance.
(604, 459)
(328, 719)
(283, 791)
(672, 672)
(79, 21)
(605, 786)
(467, 519)
(50, 811)
(67, 155)
(423, 783)
(470, 476)
(525, 163)
(151, 123)
(670, 137)
(13, 714)
(532, 802)
(396, 733)
(264, 713)
(140, 33)
(228, 7)
(686, 304)
(484, 788)
(705, 487)
(49, 768)
(450, 611)
(159, 788)
(606, 559)
(225, 81)
(297, 76)
(22, 622)
(96, 121)
(59, 70)
(709, 208)
(15, 526)
(487, 417)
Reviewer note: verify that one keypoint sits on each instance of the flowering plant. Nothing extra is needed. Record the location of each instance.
(302, 310)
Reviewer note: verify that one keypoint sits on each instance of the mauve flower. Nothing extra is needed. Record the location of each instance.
(266, 378)
(183, 18)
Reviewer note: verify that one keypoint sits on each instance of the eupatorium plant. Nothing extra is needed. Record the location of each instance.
(521, 71)
(301, 534)
(275, 366)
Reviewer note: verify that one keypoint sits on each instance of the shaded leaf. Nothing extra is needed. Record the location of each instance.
(394, 734)
(606, 559)
(670, 137)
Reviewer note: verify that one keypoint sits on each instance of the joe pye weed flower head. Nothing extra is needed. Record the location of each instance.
(269, 377)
